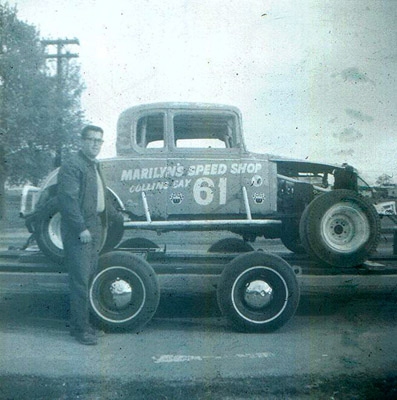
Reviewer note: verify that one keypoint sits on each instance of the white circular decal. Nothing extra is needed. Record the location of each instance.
(256, 181)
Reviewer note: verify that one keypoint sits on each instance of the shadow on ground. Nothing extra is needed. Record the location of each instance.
(52, 310)
(302, 387)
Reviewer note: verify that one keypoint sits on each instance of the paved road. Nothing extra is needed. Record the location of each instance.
(189, 348)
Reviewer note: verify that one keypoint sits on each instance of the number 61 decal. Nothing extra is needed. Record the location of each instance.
(203, 191)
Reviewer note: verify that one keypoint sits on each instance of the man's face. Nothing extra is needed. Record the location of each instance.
(92, 144)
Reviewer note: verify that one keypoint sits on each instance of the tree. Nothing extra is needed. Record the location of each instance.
(35, 116)
(384, 180)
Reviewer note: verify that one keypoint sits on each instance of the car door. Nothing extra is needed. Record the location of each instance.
(202, 153)
(143, 172)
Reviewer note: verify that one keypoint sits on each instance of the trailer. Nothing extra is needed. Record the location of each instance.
(257, 291)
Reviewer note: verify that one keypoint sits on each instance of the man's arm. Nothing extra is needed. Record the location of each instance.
(68, 196)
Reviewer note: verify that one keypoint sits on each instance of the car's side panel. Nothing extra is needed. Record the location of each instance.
(130, 177)
(212, 186)
(200, 185)
(259, 177)
(206, 186)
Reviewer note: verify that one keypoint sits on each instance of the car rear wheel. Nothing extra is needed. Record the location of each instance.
(125, 293)
(48, 232)
(340, 228)
(258, 292)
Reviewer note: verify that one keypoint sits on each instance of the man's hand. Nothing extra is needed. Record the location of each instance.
(85, 236)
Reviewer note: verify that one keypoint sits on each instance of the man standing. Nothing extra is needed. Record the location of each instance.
(81, 196)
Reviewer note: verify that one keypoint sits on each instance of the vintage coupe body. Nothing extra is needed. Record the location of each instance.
(184, 166)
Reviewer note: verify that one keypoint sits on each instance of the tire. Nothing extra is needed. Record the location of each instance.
(340, 229)
(258, 292)
(47, 229)
(230, 245)
(125, 293)
(115, 232)
(137, 243)
(290, 237)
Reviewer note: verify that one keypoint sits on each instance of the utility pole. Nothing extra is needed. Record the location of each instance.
(59, 56)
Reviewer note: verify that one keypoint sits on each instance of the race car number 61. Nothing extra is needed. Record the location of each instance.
(203, 191)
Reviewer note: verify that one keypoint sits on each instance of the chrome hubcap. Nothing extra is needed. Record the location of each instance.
(121, 293)
(117, 294)
(258, 294)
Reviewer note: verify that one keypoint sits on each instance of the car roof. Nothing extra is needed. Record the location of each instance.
(123, 144)
(179, 106)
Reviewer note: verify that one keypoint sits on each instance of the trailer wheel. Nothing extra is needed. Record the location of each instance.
(290, 237)
(340, 228)
(137, 243)
(230, 245)
(125, 293)
(258, 292)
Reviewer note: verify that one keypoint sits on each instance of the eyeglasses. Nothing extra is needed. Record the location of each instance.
(95, 141)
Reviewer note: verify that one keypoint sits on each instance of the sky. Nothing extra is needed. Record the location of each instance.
(314, 79)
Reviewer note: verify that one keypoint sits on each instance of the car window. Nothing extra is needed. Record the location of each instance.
(201, 143)
(155, 144)
(204, 130)
(150, 131)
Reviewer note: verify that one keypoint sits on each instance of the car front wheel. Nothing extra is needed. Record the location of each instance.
(340, 228)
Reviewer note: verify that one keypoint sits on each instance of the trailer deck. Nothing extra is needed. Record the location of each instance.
(379, 270)
(257, 291)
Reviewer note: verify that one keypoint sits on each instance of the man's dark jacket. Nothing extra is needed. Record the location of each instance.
(78, 192)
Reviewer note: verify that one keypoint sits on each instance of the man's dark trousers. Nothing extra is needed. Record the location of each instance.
(82, 261)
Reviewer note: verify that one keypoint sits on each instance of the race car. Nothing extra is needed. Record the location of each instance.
(184, 166)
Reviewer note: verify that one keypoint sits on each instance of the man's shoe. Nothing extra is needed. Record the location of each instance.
(87, 338)
(94, 331)
(97, 332)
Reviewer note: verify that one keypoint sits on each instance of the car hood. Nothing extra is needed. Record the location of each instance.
(291, 167)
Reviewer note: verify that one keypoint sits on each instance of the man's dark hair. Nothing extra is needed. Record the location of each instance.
(90, 128)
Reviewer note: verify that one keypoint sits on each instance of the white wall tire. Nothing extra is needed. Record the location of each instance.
(258, 292)
(124, 293)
